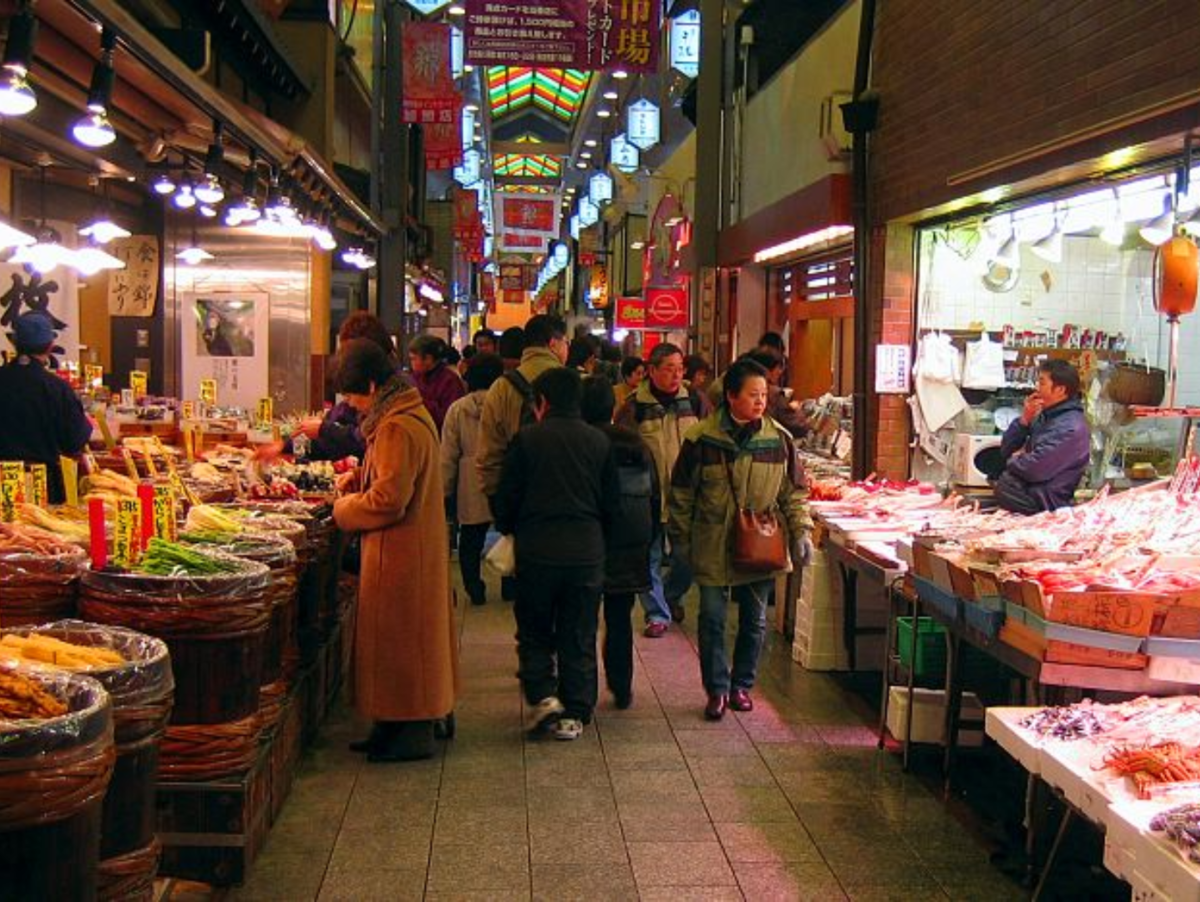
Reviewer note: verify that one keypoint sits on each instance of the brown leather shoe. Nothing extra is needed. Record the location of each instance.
(715, 709)
(740, 700)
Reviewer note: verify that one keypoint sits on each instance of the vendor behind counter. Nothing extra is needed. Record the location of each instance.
(1046, 450)
(41, 418)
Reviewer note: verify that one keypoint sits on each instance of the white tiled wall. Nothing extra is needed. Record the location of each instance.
(1096, 286)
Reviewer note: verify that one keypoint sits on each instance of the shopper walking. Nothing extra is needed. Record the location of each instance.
(633, 371)
(438, 383)
(464, 497)
(737, 459)
(43, 419)
(661, 411)
(638, 526)
(557, 498)
(405, 651)
(511, 346)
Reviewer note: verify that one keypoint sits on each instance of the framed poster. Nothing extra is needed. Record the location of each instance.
(225, 338)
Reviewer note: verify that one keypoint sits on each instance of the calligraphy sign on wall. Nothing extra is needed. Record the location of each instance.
(132, 291)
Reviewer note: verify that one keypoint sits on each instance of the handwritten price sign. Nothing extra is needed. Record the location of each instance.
(127, 536)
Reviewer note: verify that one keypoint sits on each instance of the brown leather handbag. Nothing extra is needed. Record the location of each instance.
(759, 545)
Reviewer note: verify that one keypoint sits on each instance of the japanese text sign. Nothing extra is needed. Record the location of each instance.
(132, 291)
(429, 96)
(631, 313)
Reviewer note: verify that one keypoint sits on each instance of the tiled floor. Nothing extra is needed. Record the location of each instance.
(790, 802)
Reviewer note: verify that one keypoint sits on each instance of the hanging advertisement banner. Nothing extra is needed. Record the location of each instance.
(685, 43)
(666, 308)
(598, 287)
(468, 224)
(576, 34)
(443, 150)
(643, 124)
(624, 155)
(224, 340)
(529, 213)
(630, 313)
(429, 95)
(521, 242)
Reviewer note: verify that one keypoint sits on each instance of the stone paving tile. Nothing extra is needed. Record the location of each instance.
(402, 848)
(553, 842)
(797, 880)
(584, 883)
(767, 842)
(479, 866)
(690, 894)
(715, 744)
(645, 756)
(374, 885)
(738, 804)
(741, 771)
(680, 864)
(290, 875)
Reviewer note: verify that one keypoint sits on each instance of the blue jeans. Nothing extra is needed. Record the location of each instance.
(751, 600)
(667, 587)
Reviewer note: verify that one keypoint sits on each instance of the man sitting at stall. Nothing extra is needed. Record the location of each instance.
(1046, 450)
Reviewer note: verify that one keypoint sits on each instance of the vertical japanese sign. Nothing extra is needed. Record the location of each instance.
(164, 512)
(132, 291)
(12, 489)
(578, 34)
(127, 534)
(429, 95)
(38, 492)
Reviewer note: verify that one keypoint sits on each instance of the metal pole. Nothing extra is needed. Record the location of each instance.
(393, 171)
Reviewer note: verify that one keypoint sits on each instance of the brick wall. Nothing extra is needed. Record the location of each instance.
(966, 84)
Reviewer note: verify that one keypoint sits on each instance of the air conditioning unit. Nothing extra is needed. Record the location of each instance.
(833, 135)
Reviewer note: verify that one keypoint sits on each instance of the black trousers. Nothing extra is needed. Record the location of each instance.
(471, 537)
(618, 642)
(557, 609)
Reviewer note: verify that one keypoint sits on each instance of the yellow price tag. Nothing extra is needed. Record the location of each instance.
(208, 391)
(70, 475)
(137, 383)
(93, 375)
(102, 421)
(164, 512)
(38, 491)
(265, 412)
(12, 489)
(127, 536)
(189, 410)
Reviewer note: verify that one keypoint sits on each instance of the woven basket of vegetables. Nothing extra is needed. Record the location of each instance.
(39, 575)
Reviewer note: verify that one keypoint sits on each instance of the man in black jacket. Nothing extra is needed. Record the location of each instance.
(558, 498)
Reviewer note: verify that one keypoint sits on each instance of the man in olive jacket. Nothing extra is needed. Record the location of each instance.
(735, 458)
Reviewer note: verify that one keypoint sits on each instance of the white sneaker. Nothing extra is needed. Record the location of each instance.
(547, 709)
(568, 728)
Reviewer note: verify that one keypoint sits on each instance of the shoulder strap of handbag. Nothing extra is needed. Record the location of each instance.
(729, 473)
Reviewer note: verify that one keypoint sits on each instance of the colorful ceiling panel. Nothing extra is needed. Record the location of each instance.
(537, 166)
(559, 92)
(525, 189)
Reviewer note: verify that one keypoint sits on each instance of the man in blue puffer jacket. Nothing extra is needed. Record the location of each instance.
(1045, 451)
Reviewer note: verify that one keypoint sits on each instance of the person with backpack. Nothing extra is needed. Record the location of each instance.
(637, 528)
(557, 497)
(509, 405)
(661, 412)
(460, 438)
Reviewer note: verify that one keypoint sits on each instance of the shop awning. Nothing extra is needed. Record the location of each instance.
(810, 210)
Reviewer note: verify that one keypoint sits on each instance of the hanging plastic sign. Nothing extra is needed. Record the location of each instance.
(562, 255)
(468, 128)
(624, 155)
(600, 188)
(127, 535)
(575, 226)
(685, 43)
(466, 173)
(458, 52)
(589, 213)
(644, 126)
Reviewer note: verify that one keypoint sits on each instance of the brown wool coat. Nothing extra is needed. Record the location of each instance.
(405, 647)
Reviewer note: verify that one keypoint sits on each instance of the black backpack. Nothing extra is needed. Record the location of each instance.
(528, 400)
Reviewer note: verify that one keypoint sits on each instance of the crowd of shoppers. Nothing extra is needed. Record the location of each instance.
(613, 481)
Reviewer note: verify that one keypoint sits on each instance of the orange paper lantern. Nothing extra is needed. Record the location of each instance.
(1176, 268)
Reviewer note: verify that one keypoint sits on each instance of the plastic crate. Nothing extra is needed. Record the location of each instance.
(982, 619)
(949, 605)
(931, 646)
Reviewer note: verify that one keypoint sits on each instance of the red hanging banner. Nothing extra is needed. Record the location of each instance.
(429, 95)
(443, 143)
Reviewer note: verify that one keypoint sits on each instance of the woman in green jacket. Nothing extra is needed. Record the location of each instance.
(737, 457)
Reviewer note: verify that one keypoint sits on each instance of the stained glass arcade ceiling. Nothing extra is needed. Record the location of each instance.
(559, 92)
(541, 166)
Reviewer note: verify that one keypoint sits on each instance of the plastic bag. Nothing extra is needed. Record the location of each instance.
(984, 364)
(503, 556)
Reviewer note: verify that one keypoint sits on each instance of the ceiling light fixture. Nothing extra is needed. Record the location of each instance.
(457, 9)
(194, 256)
(620, 74)
(603, 113)
(90, 260)
(16, 96)
(1050, 247)
(94, 129)
(246, 209)
(102, 230)
(590, 142)
(13, 237)
(184, 198)
(799, 243)
(611, 95)
(1160, 229)
(163, 185)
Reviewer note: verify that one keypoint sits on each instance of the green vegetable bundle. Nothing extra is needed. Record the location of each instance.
(164, 558)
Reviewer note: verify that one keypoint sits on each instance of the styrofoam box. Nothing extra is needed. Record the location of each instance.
(1002, 725)
(1174, 670)
(1158, 870)
(819, 662)
(1072, 768)
(929, 716)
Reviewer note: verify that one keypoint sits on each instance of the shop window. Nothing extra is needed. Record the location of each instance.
(815, 279)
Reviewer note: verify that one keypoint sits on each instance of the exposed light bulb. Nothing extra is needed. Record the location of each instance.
(16, 96)
(184, 198)
(94, 130)
(194, 256)
(209, 191)
(103, 230)
(163, 185)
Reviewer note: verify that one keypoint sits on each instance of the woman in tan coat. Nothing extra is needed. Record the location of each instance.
(405, 650)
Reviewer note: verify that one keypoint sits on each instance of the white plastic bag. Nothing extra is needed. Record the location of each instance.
(503, 556)
(984, 365)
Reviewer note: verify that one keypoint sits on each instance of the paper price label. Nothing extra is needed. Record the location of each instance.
(130, 464)
(70, 474)
(93, 375)
(189, 410)
(37, 483)
(127, 536)
(164, 512)
(208, 391)
(265, 412)
(137, 384)
(12, 489)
